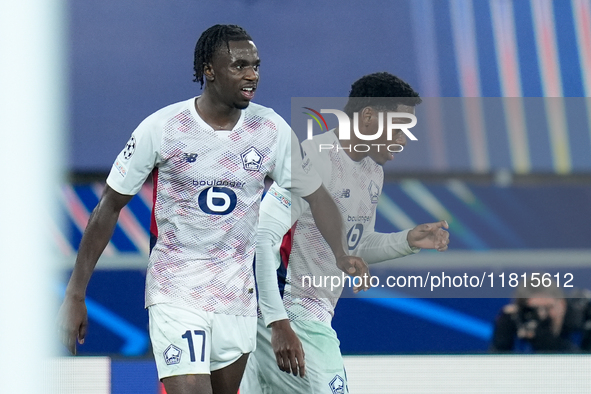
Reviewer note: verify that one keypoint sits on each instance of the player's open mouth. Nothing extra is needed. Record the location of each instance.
(248, 93)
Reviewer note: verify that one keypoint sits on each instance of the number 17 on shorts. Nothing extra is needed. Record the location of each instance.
(181, 341)
(188, 335)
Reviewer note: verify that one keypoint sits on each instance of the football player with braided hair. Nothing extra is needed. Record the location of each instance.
(208, 157)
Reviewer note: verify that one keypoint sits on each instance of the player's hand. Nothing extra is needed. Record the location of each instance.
(72, 322)
(288, 349)
(429, 236)
(355, 266)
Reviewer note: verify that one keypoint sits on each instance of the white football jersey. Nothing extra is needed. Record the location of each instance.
(207, 192)
(355, 187)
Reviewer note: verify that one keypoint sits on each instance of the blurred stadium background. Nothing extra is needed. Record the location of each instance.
(505, 158)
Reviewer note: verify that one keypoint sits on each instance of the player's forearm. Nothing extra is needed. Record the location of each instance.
(379, 247)
(270, 301)
(98, 232)
(328, 220)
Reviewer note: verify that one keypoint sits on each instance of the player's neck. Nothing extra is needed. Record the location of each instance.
(348, 146)
(215, 113)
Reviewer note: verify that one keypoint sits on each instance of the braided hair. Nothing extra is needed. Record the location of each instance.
(212, 39)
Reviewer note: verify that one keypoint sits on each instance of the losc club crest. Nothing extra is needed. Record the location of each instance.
(251, 159)
(374, 192)
(337, 385)
(172, 355)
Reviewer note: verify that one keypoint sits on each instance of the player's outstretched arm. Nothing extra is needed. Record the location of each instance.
(379, 247)
(72, 317)
(330, 224)
(429, 236)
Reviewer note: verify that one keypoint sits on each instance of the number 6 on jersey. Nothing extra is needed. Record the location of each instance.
(354, 236)
(217, 200)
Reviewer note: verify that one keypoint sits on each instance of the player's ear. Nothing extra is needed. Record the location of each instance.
(366, 114)
(208, 71)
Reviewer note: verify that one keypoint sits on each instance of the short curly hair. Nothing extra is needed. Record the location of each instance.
(212, 39)
(380, 90)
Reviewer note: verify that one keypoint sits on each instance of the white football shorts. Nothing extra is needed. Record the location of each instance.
(187, 341)
(325, 371)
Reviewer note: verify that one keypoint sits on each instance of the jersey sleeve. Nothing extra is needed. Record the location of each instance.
(290, 171)
(137, 159)
(316, 162)
(378, 247)
(277, 216)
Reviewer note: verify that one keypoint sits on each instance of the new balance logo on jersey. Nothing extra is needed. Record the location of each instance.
(190, 157)
(251, 159)
(346, 193)
(172, 355)
(374, 192)
(337, 385)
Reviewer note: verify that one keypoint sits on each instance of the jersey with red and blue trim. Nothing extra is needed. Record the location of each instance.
(207, 192)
